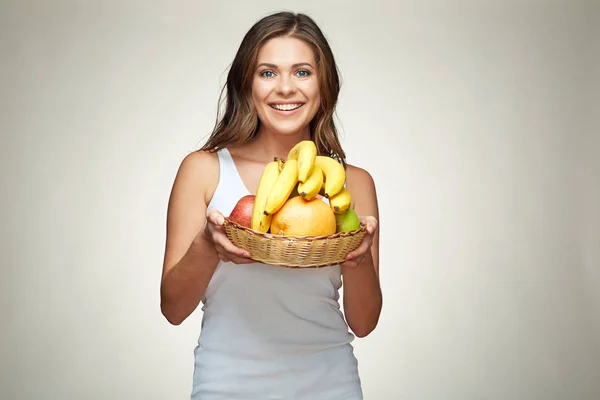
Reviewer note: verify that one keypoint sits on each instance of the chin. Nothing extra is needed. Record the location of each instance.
(285, 130)
(287, 127)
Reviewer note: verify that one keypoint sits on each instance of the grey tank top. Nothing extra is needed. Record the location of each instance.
(270, 332)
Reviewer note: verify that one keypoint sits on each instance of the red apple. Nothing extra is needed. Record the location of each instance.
(242, 212)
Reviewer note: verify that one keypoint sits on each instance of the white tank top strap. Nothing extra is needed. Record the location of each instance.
(226, 164)
(230, 187)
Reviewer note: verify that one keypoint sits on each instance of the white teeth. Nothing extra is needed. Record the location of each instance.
(286, 107)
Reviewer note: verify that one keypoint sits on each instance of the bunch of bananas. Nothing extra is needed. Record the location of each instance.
(302, 173)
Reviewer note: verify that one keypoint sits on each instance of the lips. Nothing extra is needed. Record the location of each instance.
(286, 106)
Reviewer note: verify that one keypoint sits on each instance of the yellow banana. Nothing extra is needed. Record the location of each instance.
(305, 152)
(334, 174)
(310, 188)
(341, 201)
(259, 221)
(281, 190)
(280, 162)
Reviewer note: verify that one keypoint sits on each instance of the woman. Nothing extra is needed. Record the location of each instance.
(268, 332)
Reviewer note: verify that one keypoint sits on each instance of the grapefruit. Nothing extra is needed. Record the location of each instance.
(300, 217)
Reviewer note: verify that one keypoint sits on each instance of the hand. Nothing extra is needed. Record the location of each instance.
(357, 256)
(215, 234)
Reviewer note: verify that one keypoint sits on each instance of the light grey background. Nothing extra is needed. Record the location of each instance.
(478, 120)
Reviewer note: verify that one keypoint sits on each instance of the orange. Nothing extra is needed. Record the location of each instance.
(299, 217)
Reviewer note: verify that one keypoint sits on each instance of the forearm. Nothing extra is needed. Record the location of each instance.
(362, 297)
(184, 286)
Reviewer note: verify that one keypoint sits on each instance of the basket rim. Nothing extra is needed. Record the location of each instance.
(354, 232)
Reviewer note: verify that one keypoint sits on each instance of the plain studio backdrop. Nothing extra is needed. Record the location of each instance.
(475, 119)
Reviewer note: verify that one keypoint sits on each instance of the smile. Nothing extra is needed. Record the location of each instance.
(286, 107)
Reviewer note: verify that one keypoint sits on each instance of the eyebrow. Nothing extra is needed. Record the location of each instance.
(302, 64)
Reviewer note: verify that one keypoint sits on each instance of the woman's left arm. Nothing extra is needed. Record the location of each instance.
(360, 272)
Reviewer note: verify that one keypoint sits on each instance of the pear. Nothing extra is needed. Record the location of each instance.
(347, 221)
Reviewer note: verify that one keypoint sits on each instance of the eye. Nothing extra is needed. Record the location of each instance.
(267, 74)
(303, 73)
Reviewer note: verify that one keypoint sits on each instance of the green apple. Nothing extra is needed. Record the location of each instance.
(347, 221)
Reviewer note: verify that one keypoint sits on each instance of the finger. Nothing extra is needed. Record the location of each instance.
(229, 257)
(214, 216)
(223, 255)
(372, 226)
(370, 223)
(229, 248)
(222, 251)
(242, 260)
(361, 249)
(349, 264)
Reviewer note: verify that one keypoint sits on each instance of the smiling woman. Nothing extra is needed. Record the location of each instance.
(284, 58)
(269, 332)
(285, 92)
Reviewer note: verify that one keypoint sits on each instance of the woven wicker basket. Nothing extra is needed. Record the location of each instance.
(294, 251)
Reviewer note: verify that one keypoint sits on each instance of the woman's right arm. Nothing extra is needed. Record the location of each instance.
(191, 255)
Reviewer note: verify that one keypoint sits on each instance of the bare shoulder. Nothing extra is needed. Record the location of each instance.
(357, 176)
(361, 185)
(199, 162)
(199, 171)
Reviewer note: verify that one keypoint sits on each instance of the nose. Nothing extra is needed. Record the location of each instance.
(286, 85)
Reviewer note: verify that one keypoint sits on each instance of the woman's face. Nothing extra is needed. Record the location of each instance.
(285, 86)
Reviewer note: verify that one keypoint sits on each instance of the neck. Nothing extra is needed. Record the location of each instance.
(270, 144)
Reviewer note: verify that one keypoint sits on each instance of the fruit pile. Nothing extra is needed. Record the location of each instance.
(289, 199)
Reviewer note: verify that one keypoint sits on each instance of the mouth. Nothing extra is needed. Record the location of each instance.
(286, 106)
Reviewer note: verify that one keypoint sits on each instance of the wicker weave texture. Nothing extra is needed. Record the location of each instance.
(294, 251)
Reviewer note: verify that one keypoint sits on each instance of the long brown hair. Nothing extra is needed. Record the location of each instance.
(239, 123)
